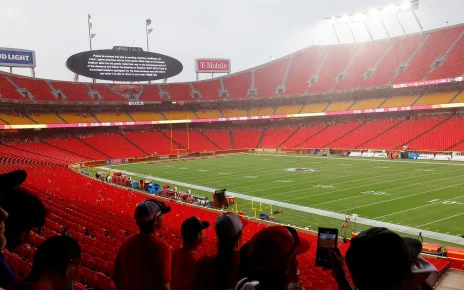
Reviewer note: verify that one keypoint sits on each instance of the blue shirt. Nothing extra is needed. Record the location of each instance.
(7, 276)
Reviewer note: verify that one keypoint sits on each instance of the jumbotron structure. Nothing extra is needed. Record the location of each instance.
(384, 94)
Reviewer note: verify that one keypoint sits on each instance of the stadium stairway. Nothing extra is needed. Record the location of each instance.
(376, 136)
(261, 138)
(133, 144)
(452, 280)
(212, 142)
(232, 141)
(344, 135)
(169, 138)
(289, 136)
(313, 131)
(63, 149)
(456, 97)
(429, 130)
(99, 151)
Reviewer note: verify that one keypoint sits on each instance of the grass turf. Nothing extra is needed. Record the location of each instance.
(419, 194)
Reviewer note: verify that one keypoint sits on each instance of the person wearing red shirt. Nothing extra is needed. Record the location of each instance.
(144, 261)
(184, 259)
(221, 271)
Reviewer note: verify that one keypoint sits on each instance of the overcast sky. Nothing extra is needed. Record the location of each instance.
(249, 32)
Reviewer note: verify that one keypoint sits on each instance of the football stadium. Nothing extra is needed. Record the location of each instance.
(355, 136)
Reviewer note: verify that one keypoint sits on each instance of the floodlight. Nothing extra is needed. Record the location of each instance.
(345, 19)
(389, 10)
(359, 17)
(405, 6)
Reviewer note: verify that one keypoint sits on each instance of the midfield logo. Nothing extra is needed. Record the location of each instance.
(301, 169)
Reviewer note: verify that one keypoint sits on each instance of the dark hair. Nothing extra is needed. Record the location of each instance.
(25, 210)
(54, 256)
(225, 260)
(146, 227)
(378, 262)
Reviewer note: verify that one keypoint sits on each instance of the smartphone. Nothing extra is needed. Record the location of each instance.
(326, 241)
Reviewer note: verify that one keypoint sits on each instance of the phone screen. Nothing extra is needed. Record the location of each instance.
(327, 240)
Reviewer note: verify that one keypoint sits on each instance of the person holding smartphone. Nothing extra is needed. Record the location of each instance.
(379, 259)
(272, 262)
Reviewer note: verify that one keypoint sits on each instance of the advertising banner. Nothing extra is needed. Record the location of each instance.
(14, 57)
(212, 65)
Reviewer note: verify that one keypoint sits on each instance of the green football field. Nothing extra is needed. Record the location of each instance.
(408, 196)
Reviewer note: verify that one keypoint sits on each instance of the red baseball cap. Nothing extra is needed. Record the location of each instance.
(275, 246)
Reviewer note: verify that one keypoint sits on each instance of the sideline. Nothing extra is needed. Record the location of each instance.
(368, 222)
(364, 159)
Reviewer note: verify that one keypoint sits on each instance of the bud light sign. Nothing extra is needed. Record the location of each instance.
(13, 57)
(212, 65)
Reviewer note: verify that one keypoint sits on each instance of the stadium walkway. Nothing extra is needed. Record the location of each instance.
(369, 222)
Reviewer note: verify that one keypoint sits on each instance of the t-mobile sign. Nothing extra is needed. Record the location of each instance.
(212, 65)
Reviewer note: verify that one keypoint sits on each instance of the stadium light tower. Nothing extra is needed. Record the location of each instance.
(148, 30)
(91, 36)
(375, 15)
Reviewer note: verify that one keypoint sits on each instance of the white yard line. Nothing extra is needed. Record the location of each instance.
(369, 222)
(406, 196)
(414, 208)
(446, 218)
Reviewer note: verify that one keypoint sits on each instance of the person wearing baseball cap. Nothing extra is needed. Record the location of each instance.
(382, 260)
(272, 259)
(184, 259)
(144, 261)
(11, 180)
(222, 271)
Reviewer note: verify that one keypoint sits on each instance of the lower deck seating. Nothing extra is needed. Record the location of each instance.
(246, 138)
(330, 134)
(273, 138)
(301, 135)
(220, 138)
(150, 142)
(402, 134)
(366, 132)
(113, 145)
(192, 140)
(63, 191)
(441, 137)
(48, 150)
(76, 146)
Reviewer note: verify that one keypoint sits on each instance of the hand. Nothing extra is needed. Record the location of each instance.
(338, 269)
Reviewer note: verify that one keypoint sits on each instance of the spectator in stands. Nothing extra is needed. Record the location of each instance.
(8, 182)
(380, 259)
(222, 271)
(144, 261)
(55, 265)
(272, 260)
(25, 212)
(184, 259)
(11, 180)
